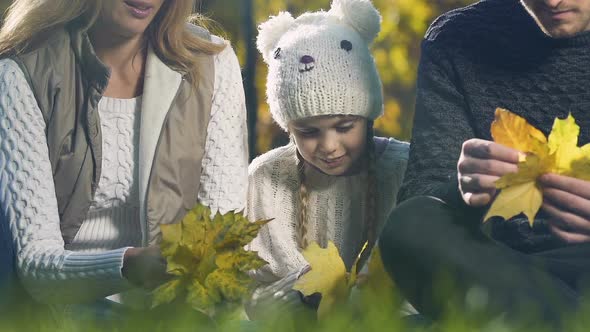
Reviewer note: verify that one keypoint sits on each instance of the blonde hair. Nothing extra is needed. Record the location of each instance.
(301, 229)
(369, 227)
(27, 20)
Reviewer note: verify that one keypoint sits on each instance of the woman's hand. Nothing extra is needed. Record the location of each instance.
(567, 202)
(145, 267)
(482, 163)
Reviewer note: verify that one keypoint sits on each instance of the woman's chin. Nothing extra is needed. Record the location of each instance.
(133, 30)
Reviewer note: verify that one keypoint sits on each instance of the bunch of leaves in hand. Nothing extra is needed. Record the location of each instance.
(558, 154)
(207, 258)
(328, 277)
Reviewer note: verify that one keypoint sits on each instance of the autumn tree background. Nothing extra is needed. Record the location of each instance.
(396, 51)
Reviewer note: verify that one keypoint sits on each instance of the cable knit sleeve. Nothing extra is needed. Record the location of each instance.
(29, 219)
(224, 179)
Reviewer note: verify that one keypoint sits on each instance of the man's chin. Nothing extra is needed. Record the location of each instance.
(562, 30)
(559, 33)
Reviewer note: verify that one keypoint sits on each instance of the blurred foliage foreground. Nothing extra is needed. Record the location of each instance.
(379, 315)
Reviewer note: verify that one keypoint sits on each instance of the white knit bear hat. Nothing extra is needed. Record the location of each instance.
(320, 63)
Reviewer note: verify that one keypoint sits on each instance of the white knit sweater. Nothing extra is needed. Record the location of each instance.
(113, 218)
(29, 220)
(336, 206)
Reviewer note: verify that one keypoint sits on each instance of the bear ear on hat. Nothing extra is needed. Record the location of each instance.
(360, 14)
(271, 31)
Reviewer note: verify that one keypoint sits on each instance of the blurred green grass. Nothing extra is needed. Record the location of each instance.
(370, 314)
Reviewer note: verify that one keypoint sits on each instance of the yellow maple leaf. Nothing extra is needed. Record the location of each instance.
(581, 164)
(327, 277)
(378, 289)
(378, 278)
(514, 131)
(520, 198)
(558, 154)
(353, 276)
(207, 258)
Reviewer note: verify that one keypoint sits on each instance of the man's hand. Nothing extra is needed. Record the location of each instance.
(567, 202)
(482, 163)
(145, 267)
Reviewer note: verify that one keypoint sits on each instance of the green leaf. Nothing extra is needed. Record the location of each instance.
(232, 285)
(208, 253)
(180, 262)
(199, 298)
(167, 292)
(240, 260)
(241, 233)
(171, 236)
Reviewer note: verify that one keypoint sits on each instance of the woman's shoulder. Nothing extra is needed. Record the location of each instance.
(56, 40)
(210, 37)
(225, 61)
(8, 65)
(11, 75)
(227, 56)
(199, 31)
(45, 54)
(281, 159)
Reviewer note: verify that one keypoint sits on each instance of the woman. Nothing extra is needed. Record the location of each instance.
(115, 116)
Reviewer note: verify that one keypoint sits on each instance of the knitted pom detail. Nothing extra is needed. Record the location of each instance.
(360, 14)
(271, 31)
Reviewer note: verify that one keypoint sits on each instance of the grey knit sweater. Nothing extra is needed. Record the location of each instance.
(474, 59)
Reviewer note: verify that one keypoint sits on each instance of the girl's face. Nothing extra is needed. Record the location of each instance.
(333, 144)
(128, 18)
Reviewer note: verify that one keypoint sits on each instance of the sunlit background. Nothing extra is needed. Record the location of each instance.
(396, 52)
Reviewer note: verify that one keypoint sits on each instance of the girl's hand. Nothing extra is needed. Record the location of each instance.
(482, 163)
(277, 299)
(145, 267)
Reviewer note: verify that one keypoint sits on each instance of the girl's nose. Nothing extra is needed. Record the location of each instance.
(328, 145)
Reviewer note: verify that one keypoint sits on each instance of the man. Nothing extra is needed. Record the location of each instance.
(532, 58)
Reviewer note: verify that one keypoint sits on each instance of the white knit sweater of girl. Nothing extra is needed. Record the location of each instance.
(90, 267)
(336, 206)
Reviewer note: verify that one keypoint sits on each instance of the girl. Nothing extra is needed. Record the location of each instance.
(335, 181)
(115, 116)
